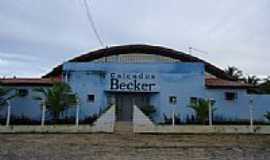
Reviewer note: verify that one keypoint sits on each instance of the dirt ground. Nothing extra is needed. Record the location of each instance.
(131, 147)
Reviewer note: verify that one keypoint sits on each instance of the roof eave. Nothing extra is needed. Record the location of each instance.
(228, 87)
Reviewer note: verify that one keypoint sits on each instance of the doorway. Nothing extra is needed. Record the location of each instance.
(125, 102)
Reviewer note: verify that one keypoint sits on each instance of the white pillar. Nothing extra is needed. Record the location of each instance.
(77, 113)
(134, 102)
(66, 77)
(173, 116)
(8, 113)
(251, 107)
(43, 113)
(210, 118)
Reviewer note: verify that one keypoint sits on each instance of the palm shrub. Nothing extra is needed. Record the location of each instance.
(265, 86)
(201, 108)
(148, 110)
(234, 72)
(169, 120)
(267, 115)
(5, 95)
(252, 80)
(56, 99)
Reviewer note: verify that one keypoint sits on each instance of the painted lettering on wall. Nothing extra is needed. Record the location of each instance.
(133, 82)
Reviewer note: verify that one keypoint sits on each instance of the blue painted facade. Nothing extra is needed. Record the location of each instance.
(180, 80)
(24, 106)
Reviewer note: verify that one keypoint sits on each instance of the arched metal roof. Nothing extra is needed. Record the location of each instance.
(143, 49)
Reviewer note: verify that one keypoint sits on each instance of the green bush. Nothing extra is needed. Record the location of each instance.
(201, 108)
(267, 115)
(148, 110)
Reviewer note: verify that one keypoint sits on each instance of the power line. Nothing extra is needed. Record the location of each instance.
(190, 49)
(92, 23)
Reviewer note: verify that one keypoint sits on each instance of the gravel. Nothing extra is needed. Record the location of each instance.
(130, 146)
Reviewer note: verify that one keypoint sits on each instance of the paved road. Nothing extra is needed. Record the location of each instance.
(129, 147)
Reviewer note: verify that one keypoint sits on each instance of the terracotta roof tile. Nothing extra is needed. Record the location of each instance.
(213, 83)
(26, 81)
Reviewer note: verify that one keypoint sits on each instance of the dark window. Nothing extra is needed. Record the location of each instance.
(193, 100)
(91, 98)
(172, 99)
(22, 92)
(213, 102)
(230, 96)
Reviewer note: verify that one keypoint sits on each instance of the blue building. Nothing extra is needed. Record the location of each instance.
(142, 75)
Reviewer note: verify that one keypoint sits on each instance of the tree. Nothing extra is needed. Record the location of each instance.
(234, 72)
(201, 108)
(56, 99)
(252, 80)
(264, 87)
(267, 80)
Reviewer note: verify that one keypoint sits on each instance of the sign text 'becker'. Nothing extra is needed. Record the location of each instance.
(133, 82)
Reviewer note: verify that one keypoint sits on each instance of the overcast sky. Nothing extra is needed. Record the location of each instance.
(36, 35)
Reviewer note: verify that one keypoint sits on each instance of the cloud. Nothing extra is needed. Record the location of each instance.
(18, 57)
(3, 62)
(46, 33)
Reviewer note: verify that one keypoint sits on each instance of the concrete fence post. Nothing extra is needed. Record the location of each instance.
(43, 113)
(66, 77)
(173, 116)
(210, 118)
(8, 113)
(77, 114)
(251, 109)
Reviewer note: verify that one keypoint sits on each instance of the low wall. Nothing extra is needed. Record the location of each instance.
(104, 124)
(48, 129)
(142, 124)
(200, 129)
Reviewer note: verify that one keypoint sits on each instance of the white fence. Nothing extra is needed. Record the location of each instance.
(142, 124)
(105, 124)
